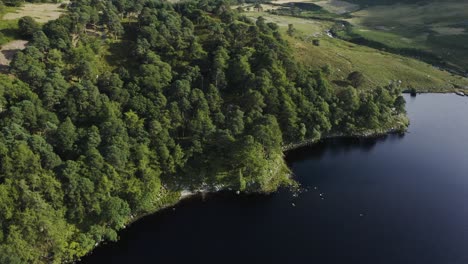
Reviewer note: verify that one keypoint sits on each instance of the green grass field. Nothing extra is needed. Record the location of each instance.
(437, 27)
(8, 28)
(380, 68)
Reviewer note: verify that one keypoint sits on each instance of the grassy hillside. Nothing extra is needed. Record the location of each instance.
(439, 29)
(379, 67)
(389, 2)
(8, 28)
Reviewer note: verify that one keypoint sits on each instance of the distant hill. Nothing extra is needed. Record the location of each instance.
(388, 2)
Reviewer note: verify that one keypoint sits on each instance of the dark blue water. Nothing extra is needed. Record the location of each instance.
(397, 199)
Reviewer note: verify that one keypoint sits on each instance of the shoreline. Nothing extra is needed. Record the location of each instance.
(311, 142)
(450, 91)
(187, 193)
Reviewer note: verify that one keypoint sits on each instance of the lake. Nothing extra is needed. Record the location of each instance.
(396, 199)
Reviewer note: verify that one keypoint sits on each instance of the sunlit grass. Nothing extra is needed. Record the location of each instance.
(379, 67)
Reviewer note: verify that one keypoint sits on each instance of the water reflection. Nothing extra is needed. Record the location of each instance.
(338, 146)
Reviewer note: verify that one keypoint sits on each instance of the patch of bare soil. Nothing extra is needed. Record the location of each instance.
(8, 51)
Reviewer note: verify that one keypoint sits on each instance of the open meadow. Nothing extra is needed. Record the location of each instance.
(437, 27)
(42, 13)
(379, 67)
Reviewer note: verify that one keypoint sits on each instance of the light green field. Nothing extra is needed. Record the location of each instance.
(379, 67)
(8, 28)
(440, 27)
(41, 12)
(391, 39)
(336, 6)
(305, 26)
(412, 15)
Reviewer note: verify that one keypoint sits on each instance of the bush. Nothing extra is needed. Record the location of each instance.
(356, 79)
(27, 26)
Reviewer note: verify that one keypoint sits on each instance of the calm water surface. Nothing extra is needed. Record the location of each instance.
(398, 199)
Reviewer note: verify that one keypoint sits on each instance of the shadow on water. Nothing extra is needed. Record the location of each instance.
(338, 146)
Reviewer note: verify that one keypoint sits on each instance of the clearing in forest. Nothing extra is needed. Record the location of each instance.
(42, 13)
(8, 50)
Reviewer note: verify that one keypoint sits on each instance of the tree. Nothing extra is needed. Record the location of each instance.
(40, 40)
(369, 112)
(13, 2)
(235, 121)
(115, 212)
(267, 131)
(356, 79)
(65, 137)
(400, 105)
(27, 27)
(219, 66)
(349, 99)
(112, 21)
(29, 66)
(291, 30)
(258, 7)
(58, 34)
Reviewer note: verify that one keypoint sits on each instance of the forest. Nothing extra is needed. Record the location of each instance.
(117, 106)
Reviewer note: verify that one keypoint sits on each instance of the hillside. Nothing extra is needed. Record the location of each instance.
(365, 3)
(433, 31)
(109, 117)
(379, 67)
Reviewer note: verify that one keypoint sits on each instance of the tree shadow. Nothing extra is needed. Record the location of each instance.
(341, 83)
(11, 33)
(118, 53)
(338, 146)
(10, 54)
(4, 69)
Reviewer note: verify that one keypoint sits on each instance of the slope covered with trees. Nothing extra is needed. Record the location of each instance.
(103, 121)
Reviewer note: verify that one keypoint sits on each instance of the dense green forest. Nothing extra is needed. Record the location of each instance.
(118, 105)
